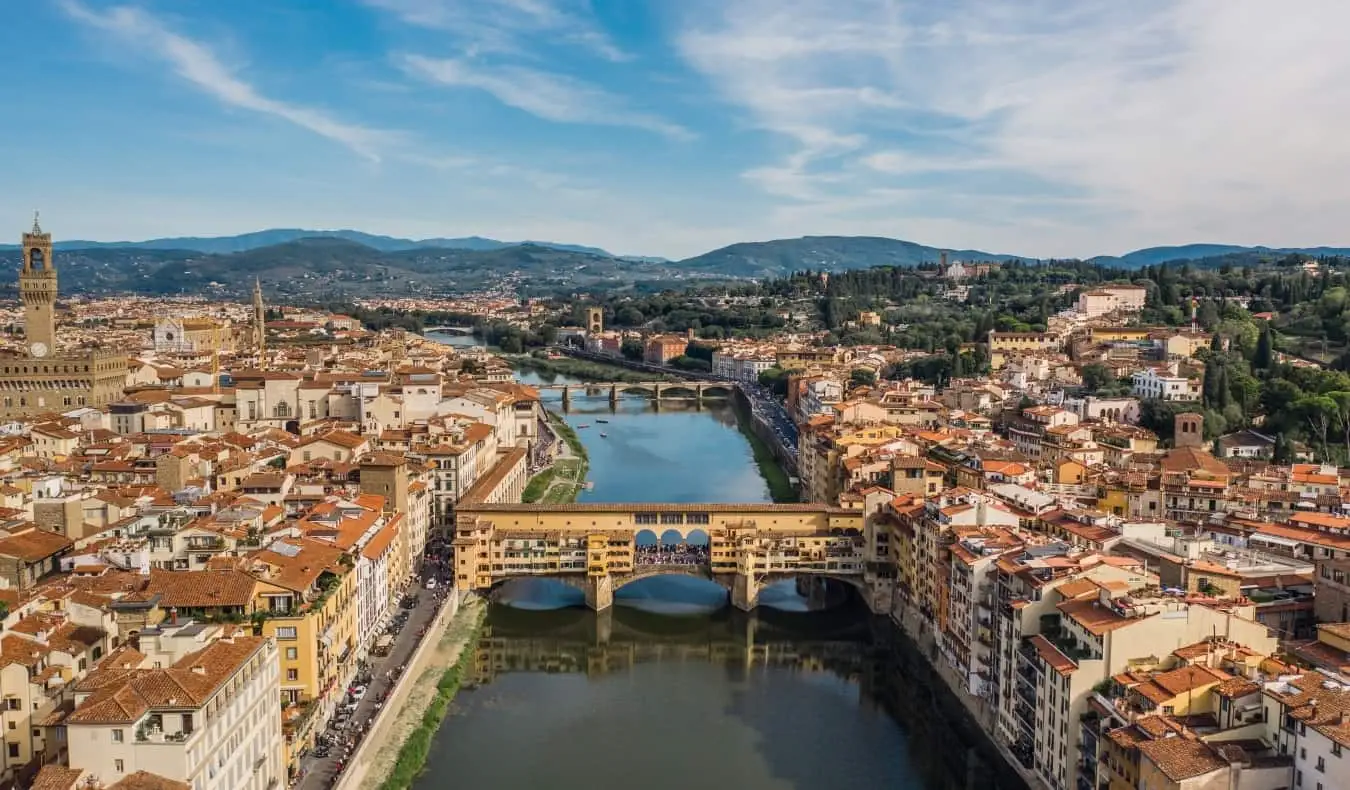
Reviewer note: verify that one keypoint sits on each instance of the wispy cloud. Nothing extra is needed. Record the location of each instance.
(549, 96)
(1185, 119)
(195, 62)
(504, 26)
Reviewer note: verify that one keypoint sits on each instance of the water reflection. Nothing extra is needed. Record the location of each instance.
(764, 701)
(671, 595)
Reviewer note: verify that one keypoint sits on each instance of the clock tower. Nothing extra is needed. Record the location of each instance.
(37, 291)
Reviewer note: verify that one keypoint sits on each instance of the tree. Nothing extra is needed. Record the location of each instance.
(632, 349)
(1265, 351)
(1096, 376)
(862, 377)
(1284, 450)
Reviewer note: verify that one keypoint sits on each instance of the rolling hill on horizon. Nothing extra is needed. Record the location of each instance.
(351, 262)
(245, 242)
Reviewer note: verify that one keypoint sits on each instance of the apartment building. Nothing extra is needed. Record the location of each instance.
(1101, 633)
(1308, 718)
(456, 464)
(1171, 382)
(312, 617)
(1003, 345)
(196, 704)
(1111, 298)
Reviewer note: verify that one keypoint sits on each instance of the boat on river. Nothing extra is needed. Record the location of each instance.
(589, 485)
(597, 419)
(583, 425)
(604, 436)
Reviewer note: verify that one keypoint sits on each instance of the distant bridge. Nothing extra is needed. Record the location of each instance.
(655, 390)
(449, 330)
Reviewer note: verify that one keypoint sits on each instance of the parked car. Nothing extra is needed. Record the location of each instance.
(431, 584)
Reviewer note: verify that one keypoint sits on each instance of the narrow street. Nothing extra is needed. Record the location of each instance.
(319, 773)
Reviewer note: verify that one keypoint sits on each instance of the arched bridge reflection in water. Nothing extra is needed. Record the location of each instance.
(573, 699)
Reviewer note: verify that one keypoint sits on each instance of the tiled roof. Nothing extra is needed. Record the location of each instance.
(200, 589)
(144, 780)
(1181, 758)
(123, 696)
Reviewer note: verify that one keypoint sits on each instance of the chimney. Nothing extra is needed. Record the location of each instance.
(173, 616)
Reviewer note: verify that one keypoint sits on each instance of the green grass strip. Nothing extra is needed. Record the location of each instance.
(412, 757)
(780, 485)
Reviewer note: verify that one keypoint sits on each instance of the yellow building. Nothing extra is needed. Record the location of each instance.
(1120, 334)
(310, 610)
(1001, 344)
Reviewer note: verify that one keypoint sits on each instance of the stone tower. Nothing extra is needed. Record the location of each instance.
(595, 320)
(1189, 430)
(259, 322)
(37, 291)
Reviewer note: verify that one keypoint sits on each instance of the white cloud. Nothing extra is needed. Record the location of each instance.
(549, 96)
(196, 63)
(503, 26)
(1127, 124)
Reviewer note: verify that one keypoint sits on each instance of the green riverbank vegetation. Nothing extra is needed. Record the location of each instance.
(583, 369)
(412, 757)
(780, 485)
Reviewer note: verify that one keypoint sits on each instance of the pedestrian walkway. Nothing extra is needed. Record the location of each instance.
(320, 773)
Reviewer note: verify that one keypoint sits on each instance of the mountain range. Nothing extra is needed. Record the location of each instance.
(311, 264)
(267, 238)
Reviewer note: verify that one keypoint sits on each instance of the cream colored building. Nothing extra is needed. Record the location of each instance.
(197, 705)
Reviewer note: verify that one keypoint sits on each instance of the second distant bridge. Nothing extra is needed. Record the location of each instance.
(655, 390)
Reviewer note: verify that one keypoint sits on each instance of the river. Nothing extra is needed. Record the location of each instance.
(671, 689)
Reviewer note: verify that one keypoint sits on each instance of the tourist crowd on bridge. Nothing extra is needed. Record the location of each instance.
(667, 554)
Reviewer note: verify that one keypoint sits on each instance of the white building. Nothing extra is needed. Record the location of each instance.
(1308, 716)
(820, 397)
(199, 706)
(741, 365)
(1165, 383)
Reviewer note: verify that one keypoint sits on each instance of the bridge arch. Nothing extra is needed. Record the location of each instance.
(776, 577)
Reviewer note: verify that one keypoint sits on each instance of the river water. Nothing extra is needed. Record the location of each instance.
(673, 690)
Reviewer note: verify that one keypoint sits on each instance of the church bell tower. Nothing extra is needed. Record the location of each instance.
(37, 291)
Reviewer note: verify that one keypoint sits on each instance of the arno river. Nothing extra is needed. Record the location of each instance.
(671, 689)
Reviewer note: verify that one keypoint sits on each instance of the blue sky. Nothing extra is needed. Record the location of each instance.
(670, 127)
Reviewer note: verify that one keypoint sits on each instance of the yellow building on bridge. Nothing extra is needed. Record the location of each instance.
(593, 545)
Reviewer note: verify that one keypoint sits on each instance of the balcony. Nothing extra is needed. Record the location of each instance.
(206, 544)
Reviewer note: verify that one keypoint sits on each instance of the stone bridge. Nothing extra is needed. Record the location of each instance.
(593, 546)
(655, 390)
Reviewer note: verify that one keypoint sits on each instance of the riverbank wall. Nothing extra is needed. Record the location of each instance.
(450, 634)
(775, 464)
(980, 712)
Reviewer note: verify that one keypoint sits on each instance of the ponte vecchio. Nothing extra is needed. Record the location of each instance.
(593, 546)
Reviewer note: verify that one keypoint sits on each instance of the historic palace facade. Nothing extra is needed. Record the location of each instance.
(44, 379)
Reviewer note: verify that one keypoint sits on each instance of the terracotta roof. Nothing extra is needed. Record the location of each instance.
(123, 696)
(144, 780)
(1052, 656)
(34, 545)
(201, 589)
(1181, 758)
(56, 777)
(1092, 616)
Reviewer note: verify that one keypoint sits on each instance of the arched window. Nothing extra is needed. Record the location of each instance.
(283, 410)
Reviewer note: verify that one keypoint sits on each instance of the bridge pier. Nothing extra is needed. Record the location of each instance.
(745, 592)
(613, 395)
(567, 398)
(599, 592)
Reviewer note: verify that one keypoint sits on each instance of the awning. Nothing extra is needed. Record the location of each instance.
(1278, 541)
